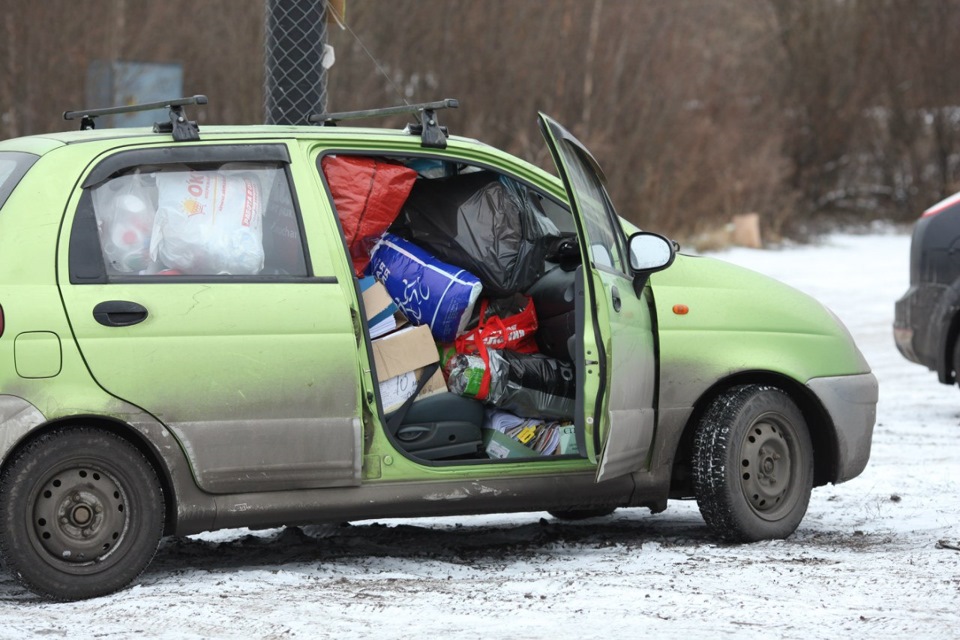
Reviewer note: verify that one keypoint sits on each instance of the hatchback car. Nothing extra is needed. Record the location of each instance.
(927, 317)
(257, 326)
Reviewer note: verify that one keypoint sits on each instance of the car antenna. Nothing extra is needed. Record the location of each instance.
(183, 130)
(431, 133)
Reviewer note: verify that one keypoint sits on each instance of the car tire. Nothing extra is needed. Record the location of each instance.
(955, 362)
(581, 514)
(752, 464)
(81, 514)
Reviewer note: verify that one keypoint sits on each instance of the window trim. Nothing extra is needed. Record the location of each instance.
(208, 154)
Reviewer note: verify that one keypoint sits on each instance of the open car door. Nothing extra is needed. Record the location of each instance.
(617, 368)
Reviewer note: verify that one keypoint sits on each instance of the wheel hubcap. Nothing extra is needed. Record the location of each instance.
(79, 515)
(766, 470)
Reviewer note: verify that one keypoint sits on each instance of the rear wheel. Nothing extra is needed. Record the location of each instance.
(81, 514)
(753, 464)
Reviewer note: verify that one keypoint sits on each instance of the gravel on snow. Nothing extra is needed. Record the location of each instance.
(872, 557)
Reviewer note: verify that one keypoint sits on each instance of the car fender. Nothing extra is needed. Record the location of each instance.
(192, 510)
(716, 319)
(721, 325)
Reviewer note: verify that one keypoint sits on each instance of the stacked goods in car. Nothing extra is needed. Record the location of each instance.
(182, 222)
(437, 246)
(493, 227)
(368, 194)
(401, 353)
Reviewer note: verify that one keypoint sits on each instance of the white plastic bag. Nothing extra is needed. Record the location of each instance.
(125, 217)
(209, 222)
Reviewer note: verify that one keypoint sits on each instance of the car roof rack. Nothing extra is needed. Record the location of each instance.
(431, 133)
(183, 130)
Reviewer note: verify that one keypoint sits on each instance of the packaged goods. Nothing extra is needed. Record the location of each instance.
(125, 215)
(506, 435)
(427, 290)
(383, 315)
(209, 223)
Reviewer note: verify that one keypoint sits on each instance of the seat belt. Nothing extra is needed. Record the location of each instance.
(394, 421)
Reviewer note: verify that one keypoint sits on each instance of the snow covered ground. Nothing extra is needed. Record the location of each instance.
(865, 562)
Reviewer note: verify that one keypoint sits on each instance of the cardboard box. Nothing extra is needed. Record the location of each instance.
(395, 391)
(400, 358)
(383, 314)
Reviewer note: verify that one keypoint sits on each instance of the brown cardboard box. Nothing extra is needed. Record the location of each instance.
(395, 391)
(400, 358)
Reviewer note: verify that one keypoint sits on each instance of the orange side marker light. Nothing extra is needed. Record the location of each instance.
(681, 309)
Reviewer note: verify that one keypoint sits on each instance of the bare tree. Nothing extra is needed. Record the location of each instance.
(697, 109)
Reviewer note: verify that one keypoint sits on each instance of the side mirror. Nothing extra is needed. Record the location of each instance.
(650, 252)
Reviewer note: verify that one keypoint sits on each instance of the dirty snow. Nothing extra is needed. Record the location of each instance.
(867, 561)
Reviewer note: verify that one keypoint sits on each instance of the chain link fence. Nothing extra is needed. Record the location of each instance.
(296, 81)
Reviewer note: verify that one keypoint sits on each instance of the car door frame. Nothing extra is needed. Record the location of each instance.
(619, 434)
(309, 449)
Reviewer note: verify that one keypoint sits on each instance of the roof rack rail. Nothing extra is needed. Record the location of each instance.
(431, 133)
(182, 129)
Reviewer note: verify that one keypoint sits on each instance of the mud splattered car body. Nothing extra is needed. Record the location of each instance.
(142, 402)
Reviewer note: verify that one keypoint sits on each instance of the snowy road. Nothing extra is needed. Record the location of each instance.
(864, 563)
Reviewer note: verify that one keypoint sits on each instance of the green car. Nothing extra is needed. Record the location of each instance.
(190, 340)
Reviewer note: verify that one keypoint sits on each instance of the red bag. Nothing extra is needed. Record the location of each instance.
(513, 332)
(368, 194)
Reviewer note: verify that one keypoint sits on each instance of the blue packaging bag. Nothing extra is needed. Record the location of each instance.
(427, 290)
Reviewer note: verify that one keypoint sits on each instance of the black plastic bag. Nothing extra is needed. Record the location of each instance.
(526, 384)
(482, 222)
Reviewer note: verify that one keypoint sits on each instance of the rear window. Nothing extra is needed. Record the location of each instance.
(13, 166)
(234, 219)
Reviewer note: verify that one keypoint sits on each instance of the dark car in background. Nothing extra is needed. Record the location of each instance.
(927, 322)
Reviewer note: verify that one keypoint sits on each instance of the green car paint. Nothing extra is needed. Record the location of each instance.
(729, 302)
(255, 399)
(739, 320)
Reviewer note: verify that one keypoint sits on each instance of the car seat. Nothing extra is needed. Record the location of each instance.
(443, 425)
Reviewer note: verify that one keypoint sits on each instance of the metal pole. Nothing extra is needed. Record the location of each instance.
(296, 82)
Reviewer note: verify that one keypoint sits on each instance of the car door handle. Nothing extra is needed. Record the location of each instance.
(615, 297)
(119, 313)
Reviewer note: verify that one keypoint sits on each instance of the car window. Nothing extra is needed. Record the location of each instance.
(605, 240)
(234, 219)
(13, 166)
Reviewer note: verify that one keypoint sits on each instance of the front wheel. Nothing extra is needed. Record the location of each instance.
(81, 514)
(753, 464)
